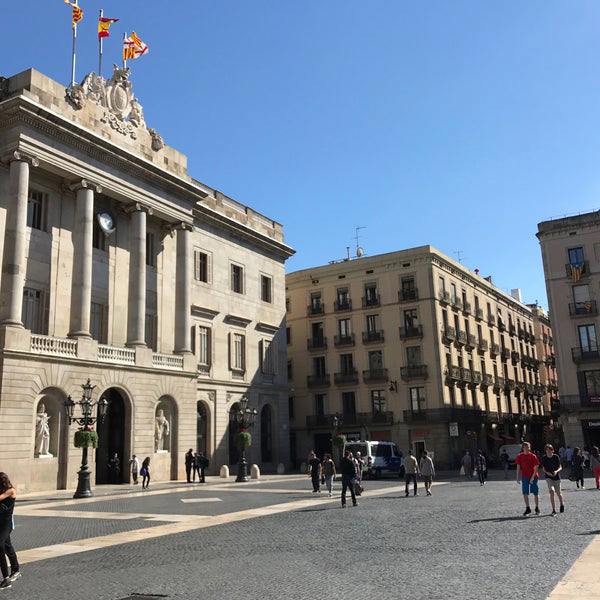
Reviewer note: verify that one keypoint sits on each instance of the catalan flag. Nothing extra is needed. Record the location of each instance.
(133, 47)
(104, 24)
(77, 14)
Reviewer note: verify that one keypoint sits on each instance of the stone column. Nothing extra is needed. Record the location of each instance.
(183, 290)
(136, 329)
(15, 239)
(83, 229)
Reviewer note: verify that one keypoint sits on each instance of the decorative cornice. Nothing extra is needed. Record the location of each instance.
(20, 156)
(204, 313)
(85, 184)
(266, 328)
(238, 321)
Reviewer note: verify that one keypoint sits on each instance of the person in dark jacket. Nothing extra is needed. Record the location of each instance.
(200, 463)
(189, 464)
(348, 469)
(577, 467)
(8, 495)
(114, 468)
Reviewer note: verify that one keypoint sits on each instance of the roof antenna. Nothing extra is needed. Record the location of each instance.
(459, 255)
(360, 251)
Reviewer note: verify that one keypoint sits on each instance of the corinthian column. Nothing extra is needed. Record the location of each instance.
(183, 290)
(83, 229)
(136, 328)
(13, 261)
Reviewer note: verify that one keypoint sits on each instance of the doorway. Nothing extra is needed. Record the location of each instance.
(201, 429)
(111, 441)
(234, 428)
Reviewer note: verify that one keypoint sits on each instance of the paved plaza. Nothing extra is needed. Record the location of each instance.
(276, 539)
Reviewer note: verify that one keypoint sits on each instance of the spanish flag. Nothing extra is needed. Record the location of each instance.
(77, 13)
(104, 26)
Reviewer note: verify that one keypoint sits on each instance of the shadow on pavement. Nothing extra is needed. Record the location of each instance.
(502, 519)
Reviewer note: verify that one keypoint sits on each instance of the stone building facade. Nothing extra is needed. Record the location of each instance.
(414, 348)
(119, 267)
(571, 256)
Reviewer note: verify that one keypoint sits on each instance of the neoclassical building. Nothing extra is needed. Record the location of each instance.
(119, 267)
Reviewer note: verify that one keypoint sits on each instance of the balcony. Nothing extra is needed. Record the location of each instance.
(479, 314)
(532, 338)
(315, 309)
(471, 341)
(316, 343)
(539, 389)
(476, 378)
(581, 355)
(515, 357)
(482, 346)
(499, 383)
(521, 333)
(411, 332)
(530, 388)
(112, 354)
(494, 350)
(491, 319)
(342, 305)
(510, 384)
(375, 375)
(512, 330)
(343, 340)
(487, 380)
(370, 337)
(577, 271)
(449, 334)
(467, 309)
(444, 297)
(501, 325)
(461, 338)
(413, 372)
(44, 344)
(457, 303)
(385, 417)
(465, 376)
(452, 374)
(505, 354)
(327, 421)
(550, 360)
(346, 377)
(318, 421)
(409, 295)
(322, 380)
(371, 301)
(583, 309)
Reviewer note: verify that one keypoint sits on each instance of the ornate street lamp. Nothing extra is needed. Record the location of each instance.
(85, 421)
(244, 417)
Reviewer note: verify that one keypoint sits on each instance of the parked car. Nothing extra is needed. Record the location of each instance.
(381, 458)
(512, 450)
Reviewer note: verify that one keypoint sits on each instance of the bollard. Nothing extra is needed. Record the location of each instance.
(224, 472)
(254, 472)
(280, 469)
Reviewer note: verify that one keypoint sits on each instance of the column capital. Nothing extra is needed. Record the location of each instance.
(138, 207)
(182, 226)
(20, 156)
(85, 184)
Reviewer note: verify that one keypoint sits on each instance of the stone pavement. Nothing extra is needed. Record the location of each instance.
(275, 539)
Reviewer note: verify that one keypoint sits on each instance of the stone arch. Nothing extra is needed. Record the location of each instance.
(203, 428)
(166, 421)
(266, 434)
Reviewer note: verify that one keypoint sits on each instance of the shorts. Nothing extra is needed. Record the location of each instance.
(427, 478)
(553, 484)
(528, 487)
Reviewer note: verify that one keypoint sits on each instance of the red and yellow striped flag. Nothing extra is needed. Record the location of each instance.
(104, 26)
(133, 47)
(77, 14)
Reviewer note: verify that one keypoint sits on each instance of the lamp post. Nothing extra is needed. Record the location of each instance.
(86, 420)
(244, 417)
(337, 422)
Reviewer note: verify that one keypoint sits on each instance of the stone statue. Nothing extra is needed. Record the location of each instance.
(42, 432)
(161, 431)
(136, 116)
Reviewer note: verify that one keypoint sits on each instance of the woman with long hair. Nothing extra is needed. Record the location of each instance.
(8, 495)
(145, 473)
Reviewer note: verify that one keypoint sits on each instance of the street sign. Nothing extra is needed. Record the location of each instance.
(453, 429)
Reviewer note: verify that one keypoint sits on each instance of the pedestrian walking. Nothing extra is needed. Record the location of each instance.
(595, 465)
(481, 467)
(552, 468)
(8, 495)
(505, 461)
(200, 465)
(114, 468)
(359, 464)
(527, 474)
(411, 469)
(314, 471)
(329, 473)
(561, 455)
(145, 473)
(348, 474)
(427, 471)
(189, 464)
(467, 465)
(134, 468)
(569, 455)
(577, 468)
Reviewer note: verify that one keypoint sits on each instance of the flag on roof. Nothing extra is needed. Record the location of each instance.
(104, 24)
(77, 14)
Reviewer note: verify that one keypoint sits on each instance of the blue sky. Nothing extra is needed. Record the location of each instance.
(456, 123)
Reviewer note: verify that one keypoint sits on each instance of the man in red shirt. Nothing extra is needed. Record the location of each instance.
(527, 473)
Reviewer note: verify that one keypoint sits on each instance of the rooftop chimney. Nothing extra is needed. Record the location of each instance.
(516, 294)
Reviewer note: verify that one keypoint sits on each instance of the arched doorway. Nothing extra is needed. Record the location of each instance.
(266, 434)
(165, 438)
(113, 439)
(202, 429)
(234, 454)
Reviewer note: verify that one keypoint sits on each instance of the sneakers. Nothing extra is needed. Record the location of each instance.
(355, 504)
(428, 493)
(406, 495)
(553, 513)
(527, 512)
(330, 494)
(6, 583)
(562, 508)
(14, 576)
(537, 510)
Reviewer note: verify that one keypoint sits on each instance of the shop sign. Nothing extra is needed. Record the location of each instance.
(453, 429)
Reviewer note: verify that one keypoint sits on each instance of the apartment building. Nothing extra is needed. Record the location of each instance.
(571, 255)
(120, 267)
(410, 347)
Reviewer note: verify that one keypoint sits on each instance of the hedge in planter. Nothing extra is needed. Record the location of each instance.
(86, 439)
(243, 440)
(339, 441)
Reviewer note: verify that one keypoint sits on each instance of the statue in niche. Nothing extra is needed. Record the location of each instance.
(162, 430)
(42, 432)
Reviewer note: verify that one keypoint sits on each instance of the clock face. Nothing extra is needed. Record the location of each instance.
(106, 223)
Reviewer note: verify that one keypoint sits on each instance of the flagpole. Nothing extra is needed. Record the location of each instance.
(100, 47)
(124, 59)
(74, 52)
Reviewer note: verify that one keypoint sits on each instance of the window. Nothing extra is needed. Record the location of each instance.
(266, 284)
(315, 301)
(150, 250)
(476, 303)
(346, 364)
(35, 310)
(441, 284)
(576, 256)
(581, 293)
(413, 355)
(237, 279)
(371, 295)
(453, 292)
(408, 286)
(464, 298)
(266, 357)
(204, 346)
(343, 297)
(317, 331)
(587, 338)
(98, 237)
(344, 329)
(288, 305)
(349, 405)
(288, 335)
(290, 370)
(320, 404)
(99, 322)
(375, 360)
(201, 266)
(383, 451)
(151, 330)
(36, 203)
(378, 405)
(372, 323)
(291, 412)
(411, 320)
(319, 369)
(591, 385)
(417, 399)
(238, 352)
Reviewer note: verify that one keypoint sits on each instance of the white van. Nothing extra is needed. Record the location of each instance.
(512, 450)
(381, 458)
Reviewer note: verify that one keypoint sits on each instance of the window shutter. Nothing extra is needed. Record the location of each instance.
(208, 267)
(193, 339)
(230, 343)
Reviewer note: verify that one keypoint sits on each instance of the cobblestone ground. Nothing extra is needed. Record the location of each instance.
(464, 542)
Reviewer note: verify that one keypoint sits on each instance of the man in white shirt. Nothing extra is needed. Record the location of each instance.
(411, 468)
(134, 468)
